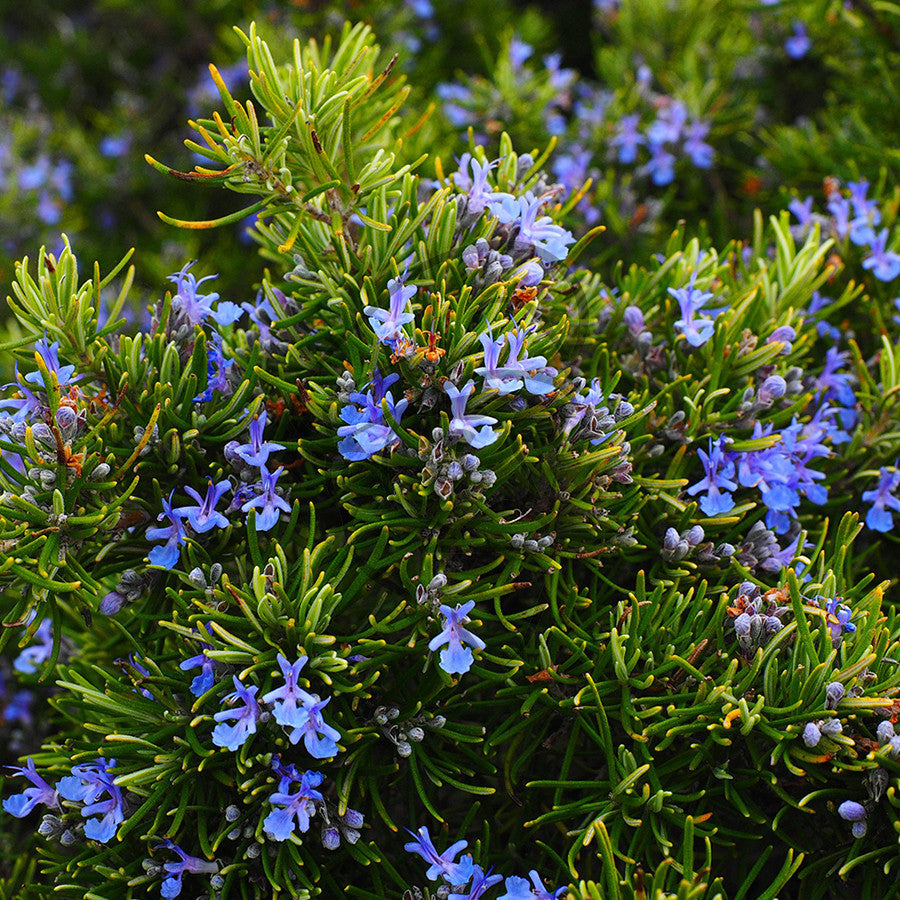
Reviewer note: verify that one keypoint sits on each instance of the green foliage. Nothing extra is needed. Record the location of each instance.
(618, 731)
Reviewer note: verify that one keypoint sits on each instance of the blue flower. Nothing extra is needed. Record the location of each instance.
(49, 355)
(319, 738)
(884, 264)
(456, 659)
(690, 301)
(286, 698)
(837, 617)
(365, 433)
(668, 125)
(882, 499)
(519, 889)
(19, 805)
(234, 736)
(203, 516)
(174, 535)
(279, 823)
(798, 44)
(195, 307)
(267, 501)
(388, 324)
(171, 886)
(627, 138)
(535, 373)
(207, 678)
(481, 882)
(661, 165)
(699, 152)
(38, 651)
(26, 403)
(216, 370)
(519, 52)
(802, 209)
(256, 453)
(718, 481)
(866, 214)
(441, 864)
(87, 784)
(465, 426)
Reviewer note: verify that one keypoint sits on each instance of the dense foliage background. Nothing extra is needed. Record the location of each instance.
(517, 460)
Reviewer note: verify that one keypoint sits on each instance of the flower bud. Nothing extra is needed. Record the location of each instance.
(111, 603)
(834, 693)
(353, 818)
(811, 734)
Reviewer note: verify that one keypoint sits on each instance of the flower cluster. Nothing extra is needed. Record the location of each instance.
(366, 433)
(293, 708)
(854, 216)
(467, 879)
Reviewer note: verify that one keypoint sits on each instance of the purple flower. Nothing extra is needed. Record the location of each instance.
(537, 235)
(19, 805)
(234, 736)
(466, 426)
(690, 301)
(319, 738)
(802, 209)
(195, 307)
(514, 372)
(203, 516)
(171, 886)
(519, 889)
(366, 433)
(49, 355)
(441, 864)
(798, 44)
(883, 498)
(718, 481)
(256, 453)
(477, 188)
(286, 698)
(174, 535)
(88, 783)
(884, 264)
(536, 374)
(388, 324)
(455, 658)
(839, 207)
(279, 823)
(267, 502)
(866, 214)
(784, 334)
